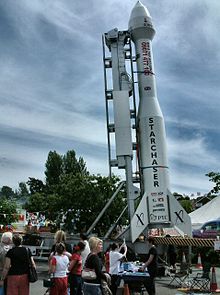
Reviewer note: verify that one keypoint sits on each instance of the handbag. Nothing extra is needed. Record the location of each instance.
(32, 273)
(48, 283)
(88, 274)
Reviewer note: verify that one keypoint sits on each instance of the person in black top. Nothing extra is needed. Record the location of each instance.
(151, 265)
(171, 255)
(93, 287)
(16, 268)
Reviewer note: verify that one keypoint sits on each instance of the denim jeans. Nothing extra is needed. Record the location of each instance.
(91, 289)
(75, 284)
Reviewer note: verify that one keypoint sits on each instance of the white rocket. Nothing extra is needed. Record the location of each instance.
(158, 207)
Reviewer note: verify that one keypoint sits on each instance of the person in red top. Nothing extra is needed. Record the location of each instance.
(106, 258)
(75, 268)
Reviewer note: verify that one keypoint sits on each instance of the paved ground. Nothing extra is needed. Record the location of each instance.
(37, 289)
(161, 283)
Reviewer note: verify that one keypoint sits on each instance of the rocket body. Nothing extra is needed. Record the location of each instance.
(151, 128)
(158, 207)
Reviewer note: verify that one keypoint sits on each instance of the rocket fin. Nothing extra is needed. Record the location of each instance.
(140, 219)
(179, 217)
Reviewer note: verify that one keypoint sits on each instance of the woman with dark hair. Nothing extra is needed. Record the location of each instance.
(16, 268)
(58, 268)
(151, 266)
(75, 268)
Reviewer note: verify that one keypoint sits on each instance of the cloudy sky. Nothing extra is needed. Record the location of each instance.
(52, 87)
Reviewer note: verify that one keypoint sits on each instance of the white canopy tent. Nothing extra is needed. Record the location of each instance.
(209, 211)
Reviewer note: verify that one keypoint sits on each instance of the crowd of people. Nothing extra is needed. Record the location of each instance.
(36, 219)
(73, 270)
(104, 274)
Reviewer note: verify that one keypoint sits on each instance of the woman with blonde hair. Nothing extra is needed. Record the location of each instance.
(93, 287)
(60, 237)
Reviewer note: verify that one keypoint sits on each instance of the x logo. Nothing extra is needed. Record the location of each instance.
(179, 216)
(140, 219)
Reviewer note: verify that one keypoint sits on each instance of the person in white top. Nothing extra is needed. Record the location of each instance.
(86, 251)
(115, 259)
(58, 268)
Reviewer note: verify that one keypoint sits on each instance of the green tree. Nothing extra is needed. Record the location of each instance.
(71, 193)
(59, 166)
(7, 211)
(186, 204)
(54, 169)
(37, 202)
(7, 192)
(214, 177)
(23, 190)
(103, 189)
(49, 203)
(84, 196)
(79, 201)
(72, 165)
(36, 185)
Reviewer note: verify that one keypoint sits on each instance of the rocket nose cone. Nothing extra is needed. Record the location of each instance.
(140, 22)
(139, 10)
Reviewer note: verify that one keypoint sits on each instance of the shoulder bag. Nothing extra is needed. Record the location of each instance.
(88, 274)
(32, 273)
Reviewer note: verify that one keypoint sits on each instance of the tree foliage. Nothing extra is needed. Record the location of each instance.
(53, 168)
(35, 185)
(72, 165)
(186, 204)
(23, 190)
(73, 197)
(7, 211)
(7, 192)
(214, 177)
(184, 201)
